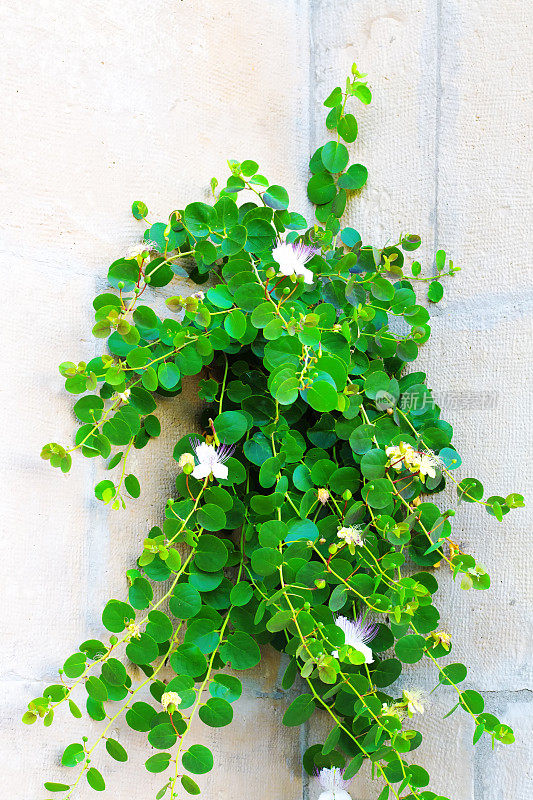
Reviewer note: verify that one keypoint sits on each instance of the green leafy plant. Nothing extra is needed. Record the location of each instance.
(304, 516)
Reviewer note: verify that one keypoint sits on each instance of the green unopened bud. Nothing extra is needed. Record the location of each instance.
(347, 495)
(332, 549)
(85, 738)
(187, 463)
(286, 290)
(113, 639)
(307, 606)
(121, 284)
(270, 272)
(136, 290)
(320, 583)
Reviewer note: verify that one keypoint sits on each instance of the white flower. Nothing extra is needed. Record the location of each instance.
(427, 465)
(170, 698)
(292, 259)
(322, 496)
(134, 630)
(393, 710)
(211, 460)
(334, 785)
(140, 248)
(124, 395)
(357, 634)
(443, 638)
(415, 701)
(199, 295)
(404, 455)
(352, 536)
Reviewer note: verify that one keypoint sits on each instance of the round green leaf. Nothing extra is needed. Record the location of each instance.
(132, 485)
(96, 689)
(386, 672)
(189, 785)
(240, 651)
(197, 759)
(241, 594)
(321, 188)
(162, 736)
(188, 660)
(266, 560)
(199, 219)
(158, 763)
(74, 666)
(354, 178)
(168, 375)
(472, 701)
(145, 317)
(72, 755)
(159, 626)
(322, 396)
(89, 408)
(116, 750)
(373, 464)
(453, 673)
(114, 672)
(211, 517)
(334, 156)
(143, 650)
(226, 686)
(299, 711)
(50, 786)
(410, 649)
(347, 128)
(231, 426)
(276, 197)
(470, 490)
(185, 601)
(95, 779)
(216, 713)
(211, 553)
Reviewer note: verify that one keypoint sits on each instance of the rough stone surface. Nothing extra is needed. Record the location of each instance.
(105, 103)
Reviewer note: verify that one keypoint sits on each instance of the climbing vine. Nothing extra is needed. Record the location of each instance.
(304, 516)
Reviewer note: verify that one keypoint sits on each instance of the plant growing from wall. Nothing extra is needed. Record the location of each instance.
(304, 515)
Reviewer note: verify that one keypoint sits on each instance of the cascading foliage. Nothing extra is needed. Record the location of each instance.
(303, 517)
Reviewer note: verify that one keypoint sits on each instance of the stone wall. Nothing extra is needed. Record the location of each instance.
(106, 102)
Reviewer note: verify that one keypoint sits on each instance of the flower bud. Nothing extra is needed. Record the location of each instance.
(320, 583)
(170, 701)
(323, 496)
(113, 639)
(332, 549)
(187, 463)
(270, 272)
(347, 495)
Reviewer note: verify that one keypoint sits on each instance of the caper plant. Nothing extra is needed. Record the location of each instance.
(304, 515)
